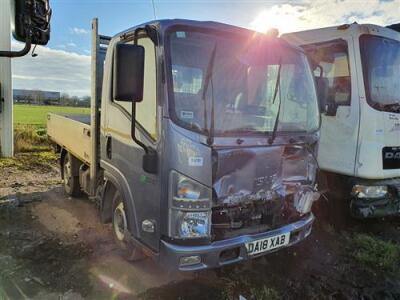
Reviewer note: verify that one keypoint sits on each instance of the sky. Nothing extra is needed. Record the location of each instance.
(64, 64)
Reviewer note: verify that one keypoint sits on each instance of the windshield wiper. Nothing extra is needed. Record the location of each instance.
(277, 88)
(207, 80)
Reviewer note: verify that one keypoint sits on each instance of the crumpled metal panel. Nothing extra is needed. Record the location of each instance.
(261, 188)
(247, 174)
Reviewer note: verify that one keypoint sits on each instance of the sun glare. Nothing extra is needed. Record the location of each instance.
(270, 19)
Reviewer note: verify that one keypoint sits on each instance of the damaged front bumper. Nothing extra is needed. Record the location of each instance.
(387, 205)
(229, 251)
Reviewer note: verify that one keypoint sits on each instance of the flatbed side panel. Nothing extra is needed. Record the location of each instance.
(70, 134)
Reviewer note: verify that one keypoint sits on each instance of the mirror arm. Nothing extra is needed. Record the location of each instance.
(133, 120)
(133, 129)
(20, 53)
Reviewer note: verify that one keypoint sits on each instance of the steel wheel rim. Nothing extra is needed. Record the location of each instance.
(120, 223)
(67, 173)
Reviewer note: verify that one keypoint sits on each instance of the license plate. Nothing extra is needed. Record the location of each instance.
(267, 244)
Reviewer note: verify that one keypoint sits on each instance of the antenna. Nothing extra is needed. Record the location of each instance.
(154, 9)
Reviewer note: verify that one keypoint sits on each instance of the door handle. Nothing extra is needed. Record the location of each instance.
(108, 147)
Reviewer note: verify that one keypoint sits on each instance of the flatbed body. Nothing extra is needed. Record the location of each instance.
(71, 132)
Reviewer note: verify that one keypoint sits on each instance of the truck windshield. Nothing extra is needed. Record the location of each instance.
(229, 83)
(381, 63)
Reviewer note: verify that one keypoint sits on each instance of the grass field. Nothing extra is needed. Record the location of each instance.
(37, 114)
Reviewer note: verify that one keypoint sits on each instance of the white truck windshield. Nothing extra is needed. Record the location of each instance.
(381, 65)
(232, 81)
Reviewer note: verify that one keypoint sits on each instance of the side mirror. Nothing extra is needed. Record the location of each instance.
(31, 20)
(128, 73)
(331, 108)
(322, 93)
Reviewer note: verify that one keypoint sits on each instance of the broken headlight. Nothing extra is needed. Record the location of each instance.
(186, 225)
(189, 206)
(365, 191)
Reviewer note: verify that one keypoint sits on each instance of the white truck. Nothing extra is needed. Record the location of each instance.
(356, 68)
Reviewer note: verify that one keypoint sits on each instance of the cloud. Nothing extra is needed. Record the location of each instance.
(79, 31)
(61, 70)
(308, 14)
(53, 70)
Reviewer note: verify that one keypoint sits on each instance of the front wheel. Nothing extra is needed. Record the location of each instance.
(121, 231)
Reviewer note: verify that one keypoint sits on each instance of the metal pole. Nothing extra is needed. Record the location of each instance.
(6, 98)
(94, 114)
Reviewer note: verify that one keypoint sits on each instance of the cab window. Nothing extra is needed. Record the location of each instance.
(332, 60)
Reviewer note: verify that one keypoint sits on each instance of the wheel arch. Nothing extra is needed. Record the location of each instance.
(115, 180)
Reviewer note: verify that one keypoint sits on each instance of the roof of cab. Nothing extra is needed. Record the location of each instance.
(162, 25)
(336, 32)
(165, 23)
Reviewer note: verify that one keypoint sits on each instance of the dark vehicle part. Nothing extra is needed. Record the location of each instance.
(276, 91)
(395, 27)
(31, 25)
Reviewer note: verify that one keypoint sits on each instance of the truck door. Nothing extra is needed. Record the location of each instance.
(339, 127)
(124, 157)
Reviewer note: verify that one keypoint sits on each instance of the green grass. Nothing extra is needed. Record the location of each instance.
(37, 114)
(375, 254)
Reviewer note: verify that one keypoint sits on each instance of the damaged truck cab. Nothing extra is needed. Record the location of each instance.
(206, 141)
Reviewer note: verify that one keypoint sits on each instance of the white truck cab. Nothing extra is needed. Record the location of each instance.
(357, 73)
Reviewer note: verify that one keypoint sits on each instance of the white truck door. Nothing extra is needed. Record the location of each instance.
(339, 130)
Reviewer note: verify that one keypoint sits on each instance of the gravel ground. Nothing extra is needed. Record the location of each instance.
(54, 247)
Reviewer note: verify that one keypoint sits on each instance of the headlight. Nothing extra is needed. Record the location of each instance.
(364, 191)
(189, 208)
(189, 224)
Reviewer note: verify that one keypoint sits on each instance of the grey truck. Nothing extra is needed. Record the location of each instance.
(200, 145)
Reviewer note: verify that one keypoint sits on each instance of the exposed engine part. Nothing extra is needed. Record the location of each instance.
(289, 205)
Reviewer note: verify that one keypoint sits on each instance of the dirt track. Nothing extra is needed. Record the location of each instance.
(54, 247)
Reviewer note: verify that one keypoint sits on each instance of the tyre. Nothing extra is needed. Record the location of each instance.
(121, 231)
(71, 182)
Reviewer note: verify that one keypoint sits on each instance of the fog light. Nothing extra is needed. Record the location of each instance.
(190, 260)
(364, 191)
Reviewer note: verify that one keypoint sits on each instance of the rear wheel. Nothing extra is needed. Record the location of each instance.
(71, 182)
(121, 231)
